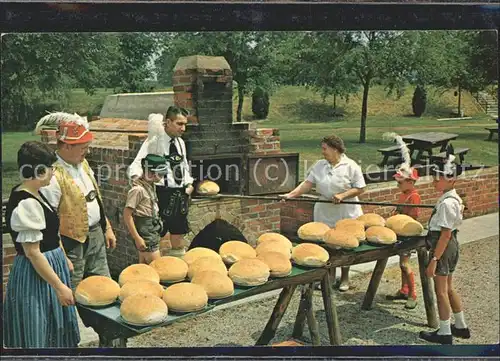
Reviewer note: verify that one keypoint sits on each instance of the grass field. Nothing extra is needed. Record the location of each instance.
(303, 119)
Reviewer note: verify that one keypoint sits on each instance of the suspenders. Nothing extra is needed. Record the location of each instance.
(429, 234)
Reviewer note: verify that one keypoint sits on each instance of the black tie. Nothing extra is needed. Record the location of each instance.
(175, 166)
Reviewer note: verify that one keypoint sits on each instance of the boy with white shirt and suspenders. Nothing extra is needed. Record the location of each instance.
(444, 253)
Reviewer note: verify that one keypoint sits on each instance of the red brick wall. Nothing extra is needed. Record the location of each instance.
(264, 140)
(478, 188)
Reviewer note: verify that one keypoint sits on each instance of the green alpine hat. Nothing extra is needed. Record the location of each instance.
(155, 163)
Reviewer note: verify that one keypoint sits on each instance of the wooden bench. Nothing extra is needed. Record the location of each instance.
(492, 132)
(394, 151)
(460, 152)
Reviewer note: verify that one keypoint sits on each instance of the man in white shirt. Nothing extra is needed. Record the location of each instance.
(175, 188)
(73, 191)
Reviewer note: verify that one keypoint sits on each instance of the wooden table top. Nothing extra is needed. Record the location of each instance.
(430, 137)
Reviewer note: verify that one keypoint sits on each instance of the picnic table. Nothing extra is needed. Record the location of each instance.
(425, 142)
(113, 331)
(493, 131)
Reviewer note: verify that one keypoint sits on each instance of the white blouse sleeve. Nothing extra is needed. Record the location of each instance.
(28, 219)
(313, 173)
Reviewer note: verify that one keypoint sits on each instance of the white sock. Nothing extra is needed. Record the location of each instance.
(444, 327)
(460, 320)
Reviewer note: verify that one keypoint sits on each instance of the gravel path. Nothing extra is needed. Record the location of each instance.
(388, 323)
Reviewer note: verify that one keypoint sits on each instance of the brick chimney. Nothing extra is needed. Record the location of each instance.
(204, 86)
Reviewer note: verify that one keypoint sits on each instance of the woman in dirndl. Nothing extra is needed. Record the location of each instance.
(39, 307)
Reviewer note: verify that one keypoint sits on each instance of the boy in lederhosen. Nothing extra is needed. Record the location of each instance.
(141, 214)
(444, 253)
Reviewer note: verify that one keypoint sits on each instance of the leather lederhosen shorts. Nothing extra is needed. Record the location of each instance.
(149, 229)
(174, 207)
(449, 259)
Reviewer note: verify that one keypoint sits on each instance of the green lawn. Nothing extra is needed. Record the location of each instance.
(10, 145)
(303, 119)
(304, 139)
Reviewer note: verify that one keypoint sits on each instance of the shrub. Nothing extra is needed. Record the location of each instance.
(419, 101)
(260, 103)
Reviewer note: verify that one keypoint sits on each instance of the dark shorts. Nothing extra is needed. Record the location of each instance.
(448, 261)
(149, 229)
(174, 207)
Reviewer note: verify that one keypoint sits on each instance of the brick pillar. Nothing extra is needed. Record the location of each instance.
(49, 136)
(264, 141)
(204, 86)
(183, 80)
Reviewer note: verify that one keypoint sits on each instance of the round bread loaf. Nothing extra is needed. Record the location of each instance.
(355, 230)
(170, 269)
(205, 264)
(208, 188)
(408, 229)
(310, 254)
(216, 285)
(141, 288)
(278, 263)
(138, 272)
(97, 291)
(199, 252)
(185, 297)
(274, 245)
(397, 219)
(143, 310)
(381, 235)
(372, 219)
(312, 231)
(249, 272)
(349, 222)
(340, 238)
(273, 236)
(234, 251)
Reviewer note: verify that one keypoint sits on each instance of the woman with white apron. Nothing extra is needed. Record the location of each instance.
(336, 178)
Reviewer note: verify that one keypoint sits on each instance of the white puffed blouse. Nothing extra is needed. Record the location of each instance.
(28, 219)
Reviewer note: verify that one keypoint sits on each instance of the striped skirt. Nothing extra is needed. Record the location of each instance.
(33, 316)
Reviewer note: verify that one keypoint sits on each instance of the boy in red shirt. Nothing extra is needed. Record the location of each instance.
(406, 178)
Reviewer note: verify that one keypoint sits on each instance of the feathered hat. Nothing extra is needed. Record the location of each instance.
(448, 168)
(71, 128)
(405, 170)
(155, 160)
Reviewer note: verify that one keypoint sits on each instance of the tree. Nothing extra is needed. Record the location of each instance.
(249, 55)
(371, 58)
(419, 101)
(318, 61)
(132, 70)
(38, 69)
(464, 60)
(260, 103)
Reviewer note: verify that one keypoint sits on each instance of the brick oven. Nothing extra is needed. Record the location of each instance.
(238, 158)
(241, 158)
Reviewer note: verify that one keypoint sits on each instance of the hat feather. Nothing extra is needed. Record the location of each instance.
(52, 121)
(156, 135)
(449, 166)
(405, 151)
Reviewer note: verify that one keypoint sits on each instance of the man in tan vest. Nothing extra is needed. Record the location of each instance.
(74, 193)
